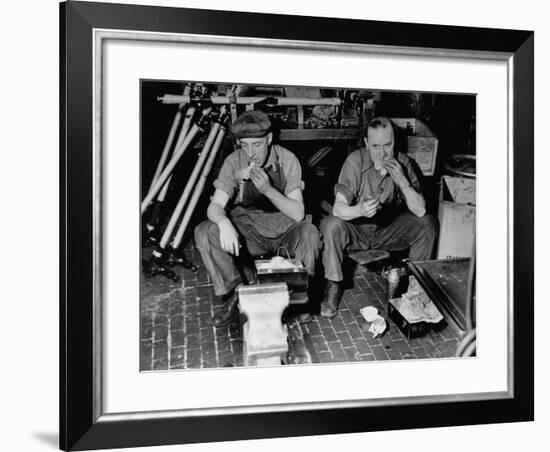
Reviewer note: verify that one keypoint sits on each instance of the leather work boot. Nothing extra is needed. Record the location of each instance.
(329, 306)
(305, 317)
(225, 314)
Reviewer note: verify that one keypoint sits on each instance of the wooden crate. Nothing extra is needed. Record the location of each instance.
(421, 145)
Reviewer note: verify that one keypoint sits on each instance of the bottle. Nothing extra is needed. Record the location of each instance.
(394, 276)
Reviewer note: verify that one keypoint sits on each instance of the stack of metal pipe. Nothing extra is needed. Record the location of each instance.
(167, 252)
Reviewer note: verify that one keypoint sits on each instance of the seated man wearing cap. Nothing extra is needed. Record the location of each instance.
(378, 205)
(261, 183)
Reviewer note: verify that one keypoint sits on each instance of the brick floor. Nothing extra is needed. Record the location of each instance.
(175, 330)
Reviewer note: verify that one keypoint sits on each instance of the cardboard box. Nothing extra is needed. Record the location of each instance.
(421, 145)
(457, 211)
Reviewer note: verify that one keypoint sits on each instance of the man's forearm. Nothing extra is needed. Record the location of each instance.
(415, 201)
(346, 212)
(215, 213)
(290, 207)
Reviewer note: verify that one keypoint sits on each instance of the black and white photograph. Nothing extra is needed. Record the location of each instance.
(270, 226)
(292, 225)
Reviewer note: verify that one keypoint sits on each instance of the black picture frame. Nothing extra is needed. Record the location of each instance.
(82, 424)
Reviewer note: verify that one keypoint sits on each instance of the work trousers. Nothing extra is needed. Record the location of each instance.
(301, 241)
(406, 231)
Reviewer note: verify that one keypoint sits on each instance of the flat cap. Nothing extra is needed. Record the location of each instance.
(251, 124)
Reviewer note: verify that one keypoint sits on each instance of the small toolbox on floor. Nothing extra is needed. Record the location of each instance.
(289, 271)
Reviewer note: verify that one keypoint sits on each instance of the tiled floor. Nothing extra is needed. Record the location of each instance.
(176, 332)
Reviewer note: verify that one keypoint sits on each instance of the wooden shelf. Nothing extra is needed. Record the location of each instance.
(318, 134)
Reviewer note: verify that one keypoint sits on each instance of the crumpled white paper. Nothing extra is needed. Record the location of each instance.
(416, 306)
(378, 326)
(280, 262)
(369, 313)
(377, 323)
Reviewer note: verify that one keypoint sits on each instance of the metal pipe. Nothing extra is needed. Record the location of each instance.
(466, 340)
(470, 349)
(173, 161)
(170, 139)
(189, 113)
(162, 195)
(167, 146)
(199, 188)
(318, 156)
(282, 101)
(189, 186)
(470, 288)
(183, 133)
